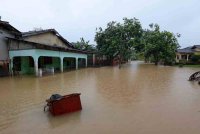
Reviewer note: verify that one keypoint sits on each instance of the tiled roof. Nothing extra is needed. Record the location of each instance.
(196, 46)
(188, 49)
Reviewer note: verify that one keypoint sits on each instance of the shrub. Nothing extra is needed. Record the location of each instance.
(183, 61)
(180, 65)
(195, 59)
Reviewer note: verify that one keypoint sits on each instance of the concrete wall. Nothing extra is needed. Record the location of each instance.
(16, 45)
(197, 51)
(36, 53)
(3, 43)
(46, 38)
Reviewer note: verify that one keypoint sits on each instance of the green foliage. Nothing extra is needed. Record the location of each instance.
(121, 40)
(84, 45)
(183, 61)
(160, 46)
(195, 58)
(118, 39)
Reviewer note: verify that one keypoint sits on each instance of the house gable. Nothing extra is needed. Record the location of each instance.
(197, 48)
(6, 30)
(48, 37)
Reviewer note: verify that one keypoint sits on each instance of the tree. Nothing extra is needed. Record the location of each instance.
(84, 45)
(117, 40)
(159, 46)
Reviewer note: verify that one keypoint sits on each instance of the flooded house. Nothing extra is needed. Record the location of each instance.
(185, 54)
(6, 30)
(40, 51)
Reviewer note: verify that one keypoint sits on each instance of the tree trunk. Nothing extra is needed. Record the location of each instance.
(156, 59)
(120, 62)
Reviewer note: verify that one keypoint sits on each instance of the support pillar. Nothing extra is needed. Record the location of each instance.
(177, 58)
(36, 66)
(76, 63)
(11, 66)
(61, 64)
(93, 59)
(85, 62)
(187, 57)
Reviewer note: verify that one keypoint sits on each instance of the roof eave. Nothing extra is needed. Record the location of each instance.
(49, 47)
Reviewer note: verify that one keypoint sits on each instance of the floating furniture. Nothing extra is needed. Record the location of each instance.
(195, 77)
(64, 104)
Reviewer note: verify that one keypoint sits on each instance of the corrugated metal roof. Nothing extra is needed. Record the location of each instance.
(37, 32)
(9, 27)
(48, 47)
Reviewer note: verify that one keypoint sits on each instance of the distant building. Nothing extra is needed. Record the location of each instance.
(6, 30)
(185, 54)
(38, 51)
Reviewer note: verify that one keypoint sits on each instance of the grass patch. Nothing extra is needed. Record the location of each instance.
(191, 65)
(196, 66)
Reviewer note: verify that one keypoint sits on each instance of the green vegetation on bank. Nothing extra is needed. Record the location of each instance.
(128, 39)
(195, 58)
(188, 65)
(159, 46)
(117, 40)
(191, 66)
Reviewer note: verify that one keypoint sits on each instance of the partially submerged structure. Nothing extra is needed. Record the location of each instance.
(186, 53)
(6, 30)
(35, 52)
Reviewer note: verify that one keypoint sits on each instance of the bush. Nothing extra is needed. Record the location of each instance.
(195, 59)
(180, 65)
(183, 62)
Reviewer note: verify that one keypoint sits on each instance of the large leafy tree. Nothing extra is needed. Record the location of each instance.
(159, 46)
(118, 39)
(84, 45)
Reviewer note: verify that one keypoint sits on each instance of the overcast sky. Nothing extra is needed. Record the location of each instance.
(79, 18)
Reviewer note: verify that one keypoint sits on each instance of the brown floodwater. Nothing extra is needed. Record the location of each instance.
(138, 98)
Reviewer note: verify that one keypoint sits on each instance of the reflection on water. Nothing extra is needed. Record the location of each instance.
(138, 98)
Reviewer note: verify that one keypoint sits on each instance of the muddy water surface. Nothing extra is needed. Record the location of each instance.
(138, 98)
